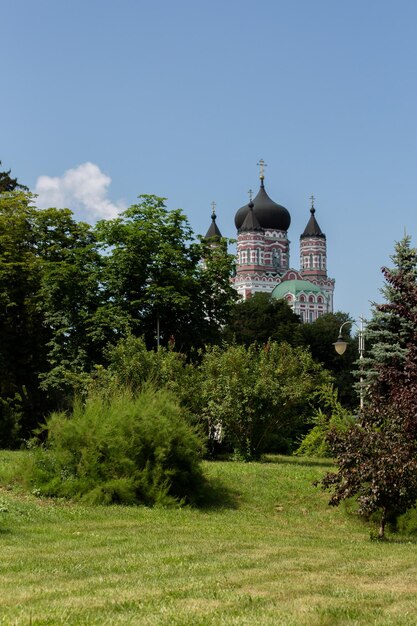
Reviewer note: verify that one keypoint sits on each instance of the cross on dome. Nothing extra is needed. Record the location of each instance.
(262, 165)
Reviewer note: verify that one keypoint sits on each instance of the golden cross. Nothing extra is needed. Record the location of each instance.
(262, 165)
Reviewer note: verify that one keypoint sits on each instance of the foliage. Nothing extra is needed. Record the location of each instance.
(257, 398)
(153, 275)
(7, 183)
(377, 457)
(389, 332)
(123, 448)
(68, 299)
(319, 336)
(67, 292)
(406, 523)
(261, 318)
(130, 364)
(329, 415)
(22, 334)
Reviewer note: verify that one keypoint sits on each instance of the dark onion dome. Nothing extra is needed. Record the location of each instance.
(312, 229)
(250, 223)
(270, 215)
(213, 231)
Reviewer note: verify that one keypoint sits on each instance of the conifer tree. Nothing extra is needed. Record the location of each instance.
(388, 333)
(377, 456)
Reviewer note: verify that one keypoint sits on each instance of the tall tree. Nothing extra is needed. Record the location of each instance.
(22, 335)
(319, 337)
(7, 183)
(155, 278)
(260, 318)
(377, 457)
(69, 298)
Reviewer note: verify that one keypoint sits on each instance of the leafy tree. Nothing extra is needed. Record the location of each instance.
(319, 337)
(258, 398)
(69, 298)
(49, 295)
(154, 277)
(22, 335)
(377, 457)
(7, 183)
(261, 318)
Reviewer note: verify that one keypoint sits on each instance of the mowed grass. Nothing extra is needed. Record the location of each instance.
(265, 550)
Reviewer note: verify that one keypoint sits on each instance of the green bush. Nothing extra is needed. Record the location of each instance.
(120, 448)
(330, 415)
(257, 398)
(132, 365)
(406, 524)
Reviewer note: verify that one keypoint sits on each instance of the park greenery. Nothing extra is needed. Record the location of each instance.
(263, 549)
(126, 358)
(377, 455)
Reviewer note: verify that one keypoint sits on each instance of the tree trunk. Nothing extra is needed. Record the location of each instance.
(381, 533)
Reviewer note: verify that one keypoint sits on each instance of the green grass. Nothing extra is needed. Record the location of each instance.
(266, 550)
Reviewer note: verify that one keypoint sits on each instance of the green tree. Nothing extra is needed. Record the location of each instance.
(153, 275)
(69, 299)
(7, 183)
(22, 335)
(258, 398)
(377, 456)
(388, 334)
(319, 336)
(261, 318)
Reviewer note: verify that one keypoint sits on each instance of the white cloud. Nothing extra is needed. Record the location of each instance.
(82, 189)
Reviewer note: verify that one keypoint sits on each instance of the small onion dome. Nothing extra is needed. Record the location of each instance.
(213, 231)
(270, 215)
(312, 229)
(250, 223)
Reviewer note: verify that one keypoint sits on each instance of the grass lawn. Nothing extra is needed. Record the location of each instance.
(267, 550)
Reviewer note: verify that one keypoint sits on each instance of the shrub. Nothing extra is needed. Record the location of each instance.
(132, 365)
(406, 524)
(256, 397)
(329, 416)
(120, 449)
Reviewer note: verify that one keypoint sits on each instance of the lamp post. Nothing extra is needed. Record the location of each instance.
(340, 347)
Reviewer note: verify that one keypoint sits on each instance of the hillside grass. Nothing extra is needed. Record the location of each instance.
(266, 549)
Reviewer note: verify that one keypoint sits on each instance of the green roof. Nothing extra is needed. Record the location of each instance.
(295, 287)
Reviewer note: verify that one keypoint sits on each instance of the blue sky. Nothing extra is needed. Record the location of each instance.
(104, 100)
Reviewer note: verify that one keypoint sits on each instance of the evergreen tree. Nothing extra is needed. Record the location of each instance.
(7, 183)
(377, 456)
(388, 334)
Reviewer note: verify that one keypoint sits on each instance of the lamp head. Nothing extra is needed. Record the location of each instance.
(340, 345)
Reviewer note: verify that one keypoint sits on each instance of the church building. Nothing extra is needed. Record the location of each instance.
(263, 256)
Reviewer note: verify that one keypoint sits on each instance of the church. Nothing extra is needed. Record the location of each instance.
(263, 252)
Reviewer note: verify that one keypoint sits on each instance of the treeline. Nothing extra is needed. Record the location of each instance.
(71, 292)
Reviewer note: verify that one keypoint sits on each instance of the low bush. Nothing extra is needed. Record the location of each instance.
(406, 524)
(328, 417)
(119, 448)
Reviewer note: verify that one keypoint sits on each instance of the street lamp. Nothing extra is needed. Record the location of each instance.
(340, 347)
